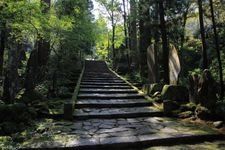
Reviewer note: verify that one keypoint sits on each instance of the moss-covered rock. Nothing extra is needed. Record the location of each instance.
(176, 93)
(186, 114)
(188, 107)
(220, 110)
(203, 112)
(31, 96)
(1, 102)
(14, 112)
(156, 87)
(169, 106)
(41, 107)
(7, 143)
(9, 128)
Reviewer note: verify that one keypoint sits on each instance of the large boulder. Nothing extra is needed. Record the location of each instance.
(169, 106)
(14, 113)
(156, 87)
(203, 113)
(176, 93)
(220, 110)
(203, 89)
(207, 90)
(30, 96)
(151, 89)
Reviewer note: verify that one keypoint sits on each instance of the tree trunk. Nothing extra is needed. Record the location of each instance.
(125, 24)
(125, 34)
(133, 33)
(185, 15)
(2, 48)
(113, 36)
(182, 38)
(202, 29)
(156, 44)
(145, 38)
(113, 45)
(11, 80)
(216, 39)
(165, 42)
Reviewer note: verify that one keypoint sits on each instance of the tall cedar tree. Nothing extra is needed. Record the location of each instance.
(133, 32)
(145, 37)
(164, 42)
(202, 30)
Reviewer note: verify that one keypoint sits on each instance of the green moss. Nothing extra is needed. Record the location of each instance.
(6, 143)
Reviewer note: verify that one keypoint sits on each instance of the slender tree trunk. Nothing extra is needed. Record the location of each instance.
(216, 39)
(165, 42)
(11, 80)
(182, 39)
(2, 48)
(108, 46)
(113, 45)
(125, 23)
(202, 29)
(145, 37)
(156, 44)
(185, 15)
(133, 32)
(113, 36)
(125, 33)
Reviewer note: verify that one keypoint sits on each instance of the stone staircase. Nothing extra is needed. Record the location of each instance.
(104, 95)
(109, 113)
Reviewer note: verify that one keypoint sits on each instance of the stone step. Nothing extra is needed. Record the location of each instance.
(102, 90)
(102, 81)
(99, 75)
(99, 83)
(113, 103)
(124, 142)
(97, 72)
(106, 86)
(109, 96)
(97, 78)
(122, 133)
(106, 113)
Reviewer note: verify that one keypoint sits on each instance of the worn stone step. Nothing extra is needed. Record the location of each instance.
(99, 83)
(139, 142)
(102, 90)
(127, 112)
(105, 72)
(102, 81)
(113, 103)
(100, 76)
(124, 133)
(106, 86)
(97, 74)
(109, 96)
(103, 78)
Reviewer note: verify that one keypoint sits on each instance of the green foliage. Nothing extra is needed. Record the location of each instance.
(214, 67)
(102, 35)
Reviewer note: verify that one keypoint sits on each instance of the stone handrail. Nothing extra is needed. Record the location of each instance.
(70, 105)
